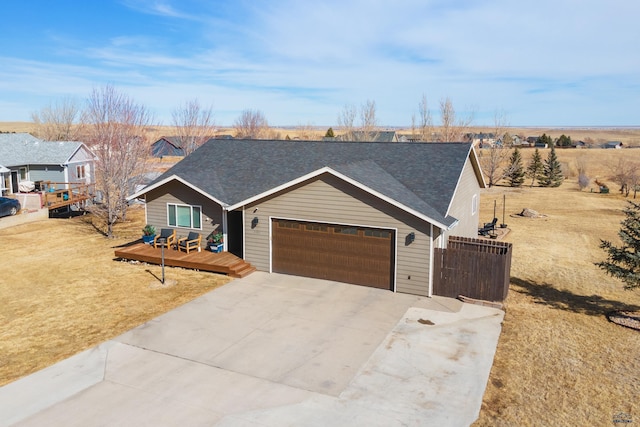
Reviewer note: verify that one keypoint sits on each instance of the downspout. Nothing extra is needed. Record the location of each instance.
(224, 229)
(243, 234)
(432, 241)
(66, 175)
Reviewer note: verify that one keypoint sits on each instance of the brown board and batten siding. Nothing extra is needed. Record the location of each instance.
(328, 199)
(176, 192)
(462, 204)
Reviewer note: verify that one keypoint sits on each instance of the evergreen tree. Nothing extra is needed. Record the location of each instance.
(329, 133)
(546, 139)
(564, 141)
(624, 262)
(534, 168)
(515, 171)
(551, 171)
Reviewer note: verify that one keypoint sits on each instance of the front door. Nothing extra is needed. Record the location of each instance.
(235, 235)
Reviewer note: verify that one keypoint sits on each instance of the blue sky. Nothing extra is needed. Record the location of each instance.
(542, 63)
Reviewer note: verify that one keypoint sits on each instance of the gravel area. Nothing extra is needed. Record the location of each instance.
(630, 319)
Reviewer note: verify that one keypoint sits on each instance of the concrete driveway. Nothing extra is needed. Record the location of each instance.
(276, 350)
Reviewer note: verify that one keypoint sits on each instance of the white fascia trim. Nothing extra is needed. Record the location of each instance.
(355, 183)
(476, 160)
(175, 178)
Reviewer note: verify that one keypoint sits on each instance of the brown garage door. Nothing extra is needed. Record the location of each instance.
(358, 255)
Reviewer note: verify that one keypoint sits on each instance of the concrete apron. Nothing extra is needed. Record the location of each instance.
(274, 350)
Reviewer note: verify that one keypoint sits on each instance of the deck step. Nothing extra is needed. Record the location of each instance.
(244, 272)
(225, 263)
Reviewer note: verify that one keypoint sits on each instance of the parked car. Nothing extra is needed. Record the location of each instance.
(9, 206)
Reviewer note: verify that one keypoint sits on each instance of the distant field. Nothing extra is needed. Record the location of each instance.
(628, 136)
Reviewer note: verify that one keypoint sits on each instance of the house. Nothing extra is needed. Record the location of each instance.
(482, 139)
(580, 144)
(532, 140)
(373, 136)
(613, 144)
(167, 146)
(363, 213)
(32, 160)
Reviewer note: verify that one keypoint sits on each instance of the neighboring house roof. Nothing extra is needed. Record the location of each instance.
(375, 136)
(612, 144)
(167, 145)
(420, 178)
(23, 149)
(173, 140)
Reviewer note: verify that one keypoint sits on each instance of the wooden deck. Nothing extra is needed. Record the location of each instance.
(204, 260)
(69, 194)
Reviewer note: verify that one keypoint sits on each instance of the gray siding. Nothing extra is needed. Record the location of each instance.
(328, 199)
(46, 173)
(461, 207)
(176, 192)
(82, 155)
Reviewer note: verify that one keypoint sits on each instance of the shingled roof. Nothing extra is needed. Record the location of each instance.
(420, 177)
(23, 149)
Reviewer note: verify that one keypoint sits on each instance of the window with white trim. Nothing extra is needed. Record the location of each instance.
(80, 172)
(185, 216)
(474, 204)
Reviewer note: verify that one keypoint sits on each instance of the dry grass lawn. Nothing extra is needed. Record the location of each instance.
(62, 292)
(559, 360)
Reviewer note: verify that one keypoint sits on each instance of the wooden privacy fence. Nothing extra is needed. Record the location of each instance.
(474, 268)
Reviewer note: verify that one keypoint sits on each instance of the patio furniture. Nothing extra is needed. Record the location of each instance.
(192, 241)
(488, 228)
(169, 236)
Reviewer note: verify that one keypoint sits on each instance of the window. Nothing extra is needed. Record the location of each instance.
(23, 174)
(474, 204)
(288, 224)
(80, 172)
(346, 230)
(184, 216)
(377, 233)
(316, 227)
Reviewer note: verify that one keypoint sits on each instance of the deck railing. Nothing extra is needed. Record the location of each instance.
(59, 194)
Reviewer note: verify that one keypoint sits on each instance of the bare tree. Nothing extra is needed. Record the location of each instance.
(194, 125)
(366, 129)
(346, 121)
(493, 162)
(252, 124)
(500, 123)
(624, 173)
(58, 121)
(308, 132)
(581, 166)
(426, 122)
(368, 121)
(452, 127)
(115, 130)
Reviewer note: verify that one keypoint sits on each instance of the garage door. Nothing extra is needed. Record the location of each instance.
(358, 255)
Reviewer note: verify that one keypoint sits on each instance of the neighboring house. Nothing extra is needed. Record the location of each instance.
(483, 140)
(32, 159)
(612, 144)
(532, 140)
(364, 213)
(167, 146)
(580, 144)
(374, 136)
